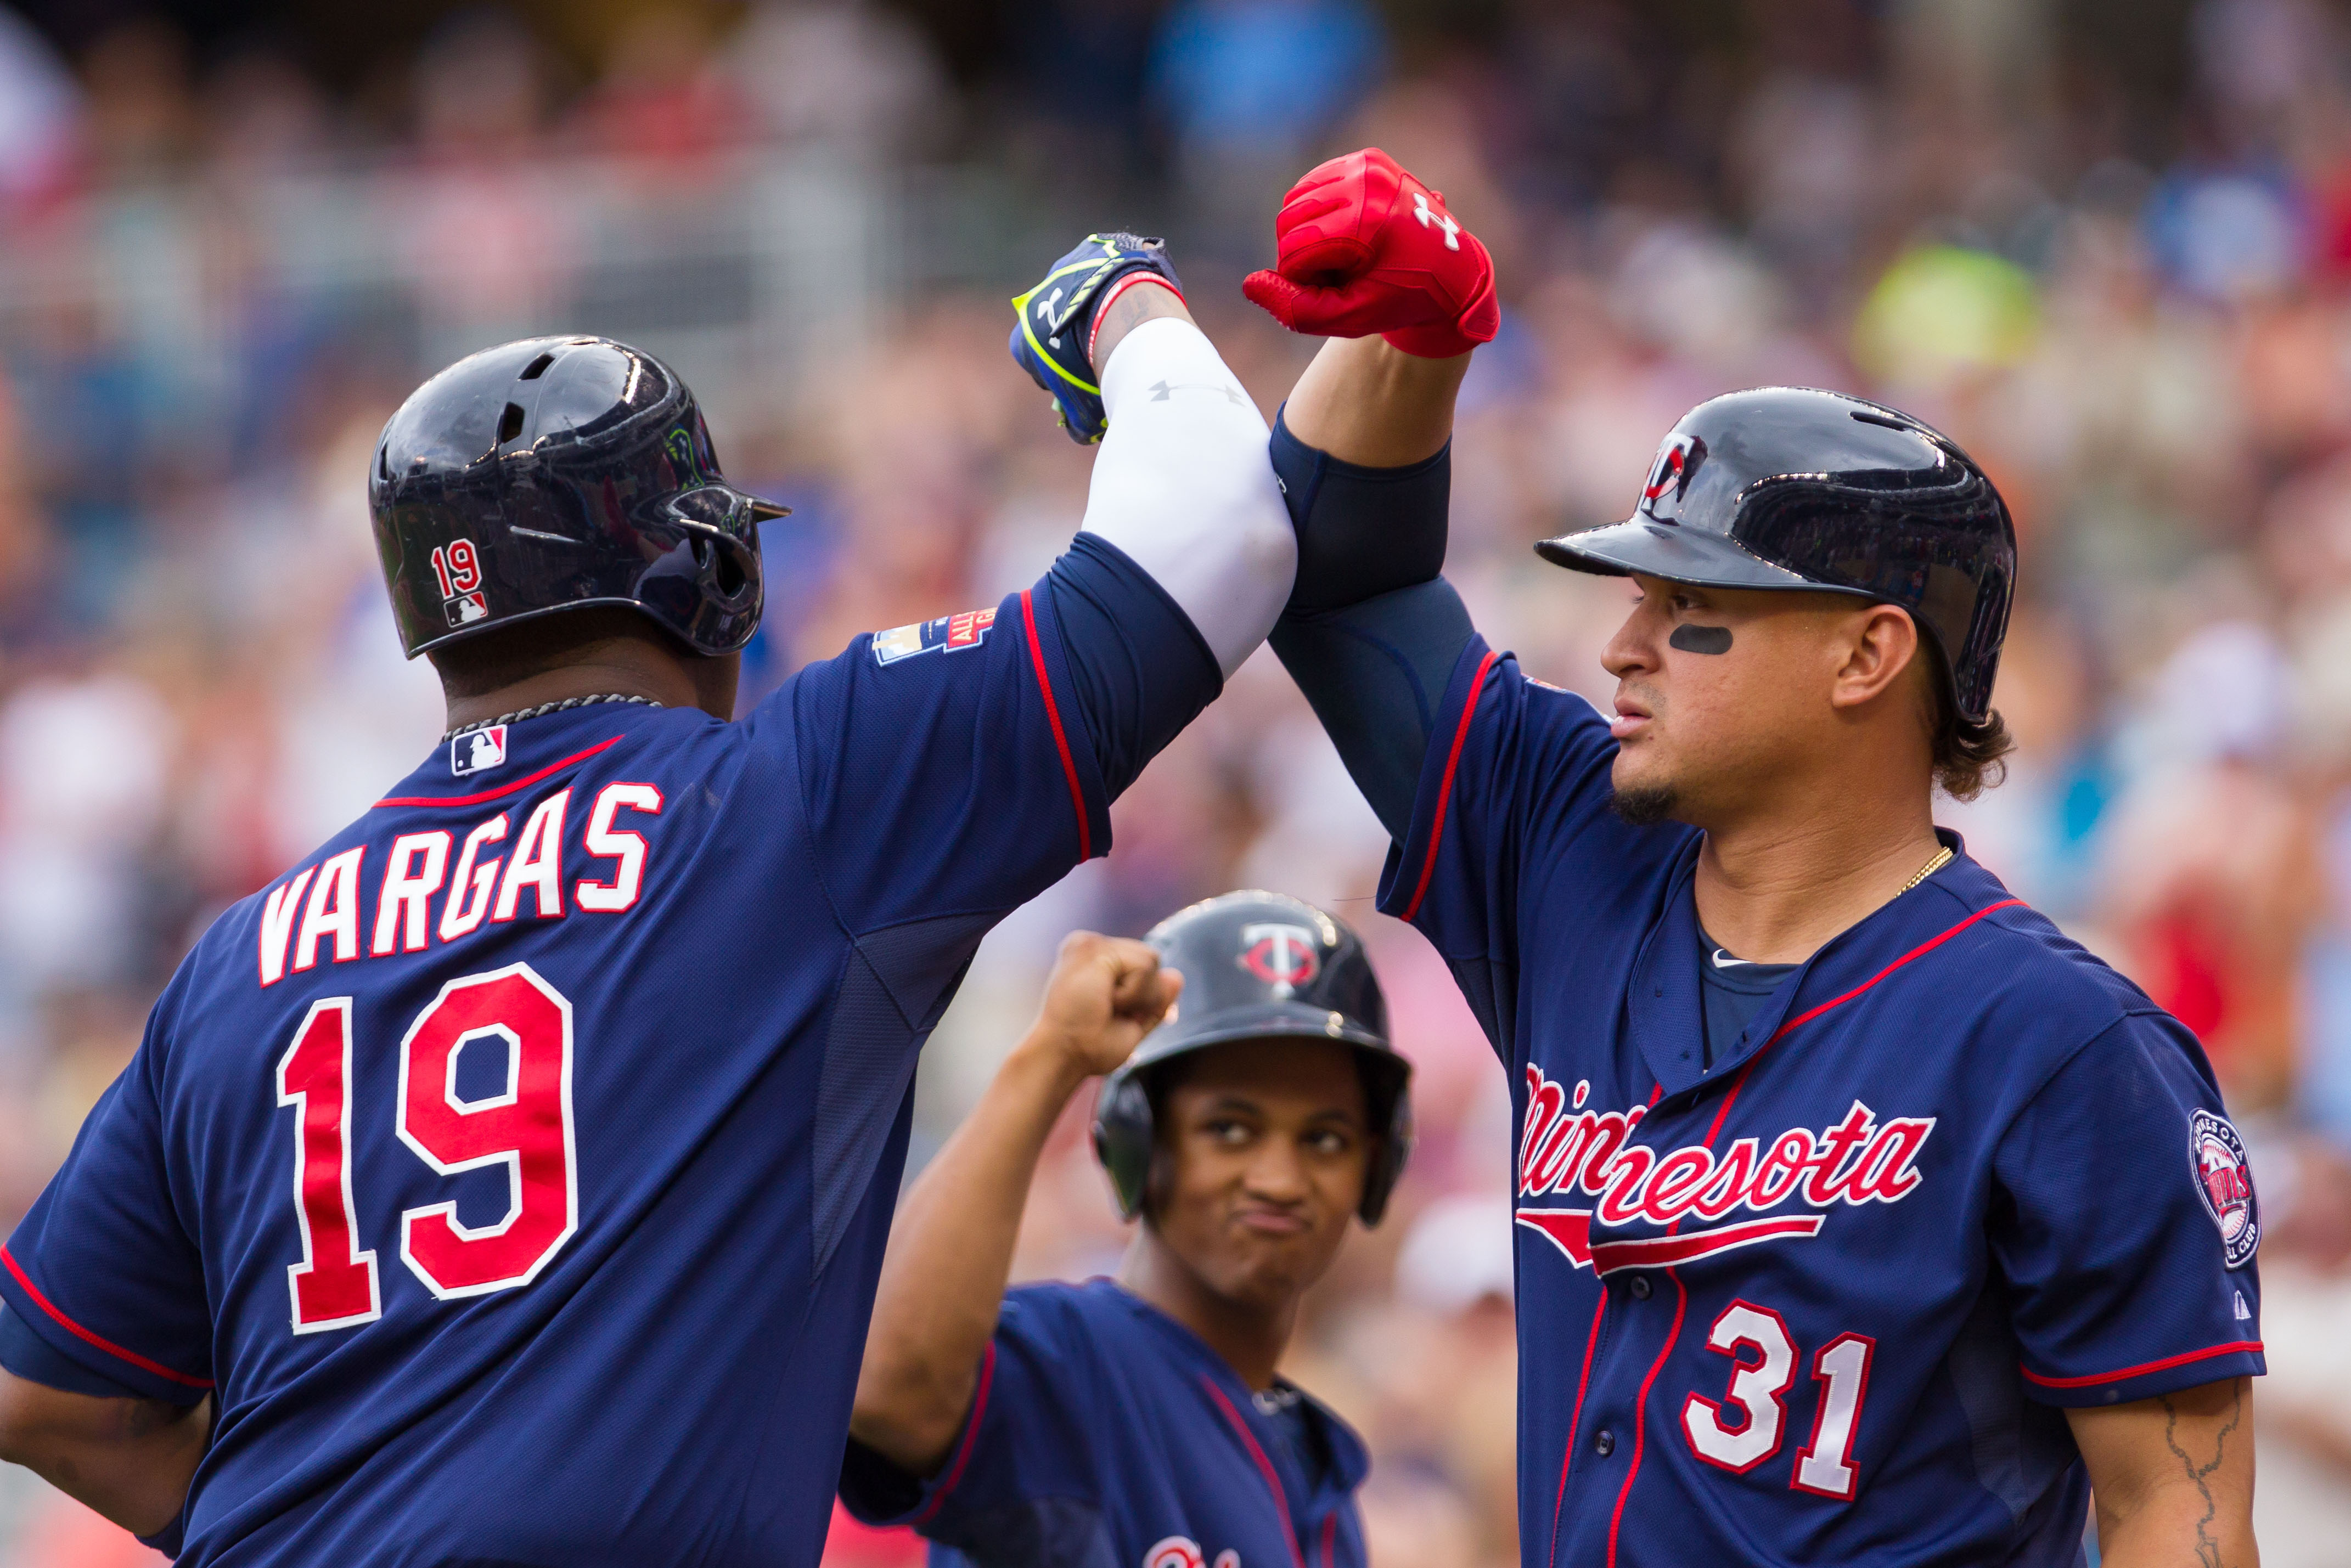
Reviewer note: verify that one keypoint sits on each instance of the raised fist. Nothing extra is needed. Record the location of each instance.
(1105, 994)
(1363, 247)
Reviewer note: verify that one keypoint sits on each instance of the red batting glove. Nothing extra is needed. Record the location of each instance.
(1363, 247)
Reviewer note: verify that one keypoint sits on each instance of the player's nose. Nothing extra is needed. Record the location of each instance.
(1633, 650)
(1276, 1173)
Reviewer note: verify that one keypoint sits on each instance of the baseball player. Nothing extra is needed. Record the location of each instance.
(1140, 1420)
(1862, 1215)
(506, 1183)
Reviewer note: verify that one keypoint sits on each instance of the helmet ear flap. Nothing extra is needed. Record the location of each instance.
(730, 571)
(709, 587)
(1395, 1147)
(1122, 1139)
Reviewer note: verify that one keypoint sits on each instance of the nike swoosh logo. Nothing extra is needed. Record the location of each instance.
(1724, 960)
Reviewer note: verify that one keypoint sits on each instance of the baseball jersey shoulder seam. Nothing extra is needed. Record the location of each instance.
(2111, 1011)
(788, 735)
(2109, 984)
(2058, 1063)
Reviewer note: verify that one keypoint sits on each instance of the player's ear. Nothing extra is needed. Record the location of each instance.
(1878, 646)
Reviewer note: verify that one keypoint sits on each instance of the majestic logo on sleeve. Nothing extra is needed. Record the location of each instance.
(2225, 1179)
(1284, 957)
(1734, 1197)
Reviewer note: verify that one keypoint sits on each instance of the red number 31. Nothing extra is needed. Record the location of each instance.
(527, 1128)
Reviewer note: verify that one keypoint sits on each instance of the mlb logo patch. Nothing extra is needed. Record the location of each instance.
(949, 633)
(479, 750)
(466, 608)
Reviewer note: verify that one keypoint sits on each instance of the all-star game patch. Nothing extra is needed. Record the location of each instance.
(949, 633)
(2225, 1179)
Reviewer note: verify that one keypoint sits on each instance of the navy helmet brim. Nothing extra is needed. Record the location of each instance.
(1263, 1021)
(1678, 555)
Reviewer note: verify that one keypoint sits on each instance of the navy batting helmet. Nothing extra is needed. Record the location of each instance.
(553, 474)
(1260, 966)
(1786, 487)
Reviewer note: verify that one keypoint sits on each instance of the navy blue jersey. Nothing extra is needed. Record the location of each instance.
(1823, 1300)
(1103, 1434)
(515, 1172)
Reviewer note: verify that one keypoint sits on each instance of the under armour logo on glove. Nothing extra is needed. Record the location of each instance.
(1427, 215)
(1356, 257)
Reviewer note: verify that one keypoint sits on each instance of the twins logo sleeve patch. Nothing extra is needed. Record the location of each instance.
(2224, 1180)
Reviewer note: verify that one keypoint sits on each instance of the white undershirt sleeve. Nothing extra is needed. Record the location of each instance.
(1183, 486)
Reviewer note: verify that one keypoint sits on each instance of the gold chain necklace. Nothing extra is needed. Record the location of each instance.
(1942, 859)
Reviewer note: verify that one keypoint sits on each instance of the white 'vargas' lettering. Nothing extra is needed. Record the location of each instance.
(482, 884)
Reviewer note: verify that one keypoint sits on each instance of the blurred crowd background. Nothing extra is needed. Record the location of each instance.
(2105, 245)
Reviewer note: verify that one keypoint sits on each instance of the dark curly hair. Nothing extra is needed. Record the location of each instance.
(1971, 756)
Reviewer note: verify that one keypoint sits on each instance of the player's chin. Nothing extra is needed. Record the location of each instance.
(1644, 794)
(1269, 1270)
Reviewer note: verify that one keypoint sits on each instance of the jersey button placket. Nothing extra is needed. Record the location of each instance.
(1603, 1442)
(1640, 1287)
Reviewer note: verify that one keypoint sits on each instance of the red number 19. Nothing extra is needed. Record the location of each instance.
(457, 567)
(527, 1128)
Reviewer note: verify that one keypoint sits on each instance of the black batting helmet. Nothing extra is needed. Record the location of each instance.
(556, 473)
(1260, 966)
(1786, 487)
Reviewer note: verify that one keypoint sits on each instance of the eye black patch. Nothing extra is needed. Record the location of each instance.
(1702, 639)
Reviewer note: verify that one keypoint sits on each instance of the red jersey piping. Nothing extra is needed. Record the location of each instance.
(1575, 1421)
(1061, 740)
(970, 1432)
(1445, 785)
(1641, 1412)
(108, 1345)
(1929, 945)
(2145, 1367)
(1264, 1465)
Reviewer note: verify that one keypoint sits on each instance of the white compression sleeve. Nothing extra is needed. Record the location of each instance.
(1183, 486)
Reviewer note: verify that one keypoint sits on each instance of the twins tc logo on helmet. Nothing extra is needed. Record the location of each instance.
(1669, 475)
(2225, 1179)
(1183, 1552)
(1283, 956)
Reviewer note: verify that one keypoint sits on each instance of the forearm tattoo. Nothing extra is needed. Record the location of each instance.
(2208, 1543)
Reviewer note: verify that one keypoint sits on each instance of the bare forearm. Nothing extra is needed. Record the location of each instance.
(950, 1254)
(129, 1460)
(1364, 402)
